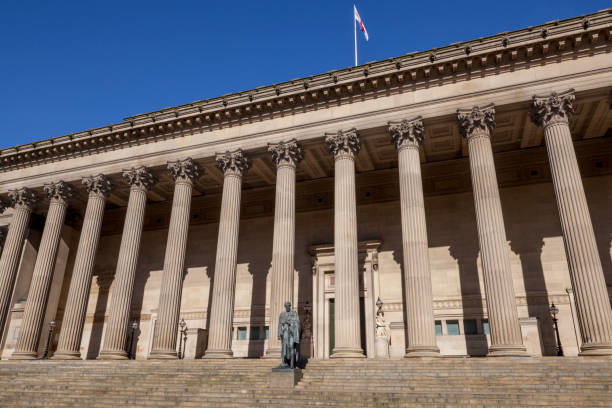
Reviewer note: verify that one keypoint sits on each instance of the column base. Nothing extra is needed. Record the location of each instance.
(66, 355)
(422, 351)
(112, 355)
(218, 354)
(24, 355)
(163, 355)
(596, 349)
(347, 352)
(507, 350)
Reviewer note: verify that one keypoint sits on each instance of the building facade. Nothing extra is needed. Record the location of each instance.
(432, 204)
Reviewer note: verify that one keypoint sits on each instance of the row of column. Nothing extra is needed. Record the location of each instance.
(476, 125)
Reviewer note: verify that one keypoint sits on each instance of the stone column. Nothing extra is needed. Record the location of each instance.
(233, 165)
(345, 145)
(476, 126)
(286, 155)
(593, 304)
(184, 173)
(69, 345)
(22, 201)
(34, 313)
(408, 136)
(140, 180)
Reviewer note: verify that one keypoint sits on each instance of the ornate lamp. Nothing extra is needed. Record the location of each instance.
(554, 310)
(134, 327)
(182, 339)
(45, 355)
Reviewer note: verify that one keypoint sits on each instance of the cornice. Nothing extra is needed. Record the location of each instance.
(573, 37)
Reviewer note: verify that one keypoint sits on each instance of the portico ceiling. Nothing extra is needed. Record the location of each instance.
(517, 143)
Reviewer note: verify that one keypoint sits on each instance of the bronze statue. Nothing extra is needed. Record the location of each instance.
(289, 334)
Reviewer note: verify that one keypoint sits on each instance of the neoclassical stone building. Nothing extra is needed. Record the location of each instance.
(467, 187)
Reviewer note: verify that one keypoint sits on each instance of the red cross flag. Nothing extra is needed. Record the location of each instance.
(359, 21)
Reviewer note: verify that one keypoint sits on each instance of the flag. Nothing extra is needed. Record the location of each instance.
(360, 22)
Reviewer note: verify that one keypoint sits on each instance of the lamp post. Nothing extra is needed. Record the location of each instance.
(45, 355)
(134, 326)
(554, 310)
(182, 339)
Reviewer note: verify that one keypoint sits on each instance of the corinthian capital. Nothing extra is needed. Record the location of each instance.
(554, 108)
(480, 120)
(407, 132)
(98, 185)
(3, 205)
(286, 153)
(59, 191)
(23, 197)
(184, 170)
(139, 177)
(343, 143)
(233, 163)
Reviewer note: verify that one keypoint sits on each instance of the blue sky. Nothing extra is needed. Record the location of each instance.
(69, 66)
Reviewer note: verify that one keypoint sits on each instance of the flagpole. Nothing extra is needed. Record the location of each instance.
(355, 27)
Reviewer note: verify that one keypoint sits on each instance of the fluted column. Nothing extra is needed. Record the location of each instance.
(140, 180)
(476, 126)
(233, 165)
(69, 345)
(345, 145)
(36, 304)
(408, 136)
(184, 173)
(22, 201)
(286, 155)
(592, 301)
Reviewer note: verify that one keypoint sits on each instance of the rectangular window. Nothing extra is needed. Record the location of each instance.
(452, 327)
(438, 328)
(485, 326)
(469, 326)
(254, 333)
(242, 333)
(266, 333)
(233, 333)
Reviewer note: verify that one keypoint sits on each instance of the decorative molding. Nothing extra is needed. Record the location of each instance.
(407, 133)
(59, 191)
(139, 177)
(478, 121)
(98, 185)
(185, 171)
(344, 143)
(286, 153)
(505, 52)
(23, 197)
(554, 108)
(232, 163)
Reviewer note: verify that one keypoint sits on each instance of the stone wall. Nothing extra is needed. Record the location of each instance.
(534, 244)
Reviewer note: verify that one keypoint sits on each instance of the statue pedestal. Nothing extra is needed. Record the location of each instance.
(382, 347)
(282, 378)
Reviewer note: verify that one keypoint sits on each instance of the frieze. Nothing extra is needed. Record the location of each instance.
(459, 61)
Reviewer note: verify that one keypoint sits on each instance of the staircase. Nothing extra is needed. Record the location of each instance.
(444, 382)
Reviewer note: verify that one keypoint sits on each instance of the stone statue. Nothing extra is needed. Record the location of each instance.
(383, 336)
(289, 334)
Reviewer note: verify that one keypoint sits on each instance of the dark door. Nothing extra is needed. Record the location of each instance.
(332, 333)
